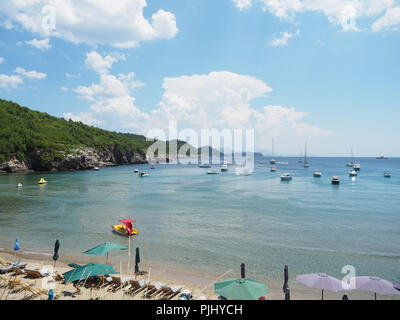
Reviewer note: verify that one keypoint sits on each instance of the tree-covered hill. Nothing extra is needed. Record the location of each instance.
(23, 131)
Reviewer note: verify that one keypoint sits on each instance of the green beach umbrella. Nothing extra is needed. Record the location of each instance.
(104, 248)
(56, 248)
(88, 270)
(241, 289)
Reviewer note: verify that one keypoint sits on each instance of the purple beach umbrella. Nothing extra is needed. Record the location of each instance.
(375, 285)
(320, 281)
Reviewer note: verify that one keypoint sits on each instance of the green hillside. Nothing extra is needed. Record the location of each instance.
(23, 130)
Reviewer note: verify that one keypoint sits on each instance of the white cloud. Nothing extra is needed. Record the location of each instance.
(112, 103)
(39, 44)
(85, 117)
(72, 76)
(216, 100)
(30, 74)
(1, 60)
(339, 12)
(391, 19)
(102, 22)
(63, 88)
(99, 64)
(283, 40)
(10, 81)
(242, 4)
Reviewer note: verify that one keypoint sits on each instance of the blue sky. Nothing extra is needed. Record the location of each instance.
(289, 69)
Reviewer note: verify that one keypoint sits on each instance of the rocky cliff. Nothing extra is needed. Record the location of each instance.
(79, 159)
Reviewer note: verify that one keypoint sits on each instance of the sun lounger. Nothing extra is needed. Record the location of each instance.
(170, 292)
(35, 273)
(153, 289)
(116, 283)
(137, 286)
(12, 267)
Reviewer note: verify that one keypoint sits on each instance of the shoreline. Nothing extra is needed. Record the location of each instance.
(199, 283)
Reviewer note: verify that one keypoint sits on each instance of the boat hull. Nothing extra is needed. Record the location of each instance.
(122, 231)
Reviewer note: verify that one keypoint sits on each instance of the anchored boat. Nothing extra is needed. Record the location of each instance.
(286, 177)
(317, 174)
(335, 180)
(353, 173)
(42, 181)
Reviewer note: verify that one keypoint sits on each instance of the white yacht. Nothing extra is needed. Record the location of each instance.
(351, 163)
(335, 180)
(204, 165)
(212, 172)
(272, 169)
(286, 177)
(19, 185)
(224, 167)
(353, 173)
(306, 164)
(96, 168)
(317, 174)
(387, 175)
(357, 166)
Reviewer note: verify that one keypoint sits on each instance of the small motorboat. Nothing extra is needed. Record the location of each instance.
(42, 181)
(143, 174)
(204, 165)
(286, 177)
(381, 158)
(19, 185)
(125, 228)
(136, 170)
(96, 168)
(272, 169)
(353, 173)
(212, 172)
(335, 180)
(350, 164)
(357, 166)
(387, 175)
(317, 174)
(224, 167)
(152, 167)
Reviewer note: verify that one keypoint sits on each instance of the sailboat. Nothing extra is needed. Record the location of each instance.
(306, 165)
(272, 161)
(351, 163)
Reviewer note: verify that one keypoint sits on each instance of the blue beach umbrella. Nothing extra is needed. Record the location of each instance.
(16, 247)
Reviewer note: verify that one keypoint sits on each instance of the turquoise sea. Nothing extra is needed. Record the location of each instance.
(212, 223)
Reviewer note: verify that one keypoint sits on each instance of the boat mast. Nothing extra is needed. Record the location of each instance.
(305, 153)
(272, 148)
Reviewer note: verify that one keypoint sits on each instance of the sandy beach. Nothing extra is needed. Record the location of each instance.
(199, 284)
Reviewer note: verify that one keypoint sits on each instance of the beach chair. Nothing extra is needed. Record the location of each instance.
(12, 267)
(137, 286)
(116, 284)
(35, 273)
(169, 292)
(153, 290)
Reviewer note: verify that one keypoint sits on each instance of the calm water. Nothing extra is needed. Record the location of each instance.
(213, 223)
